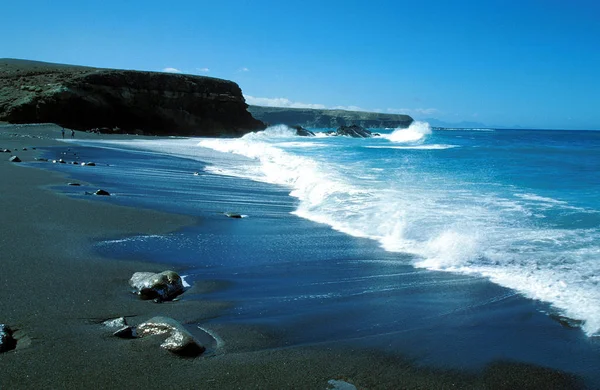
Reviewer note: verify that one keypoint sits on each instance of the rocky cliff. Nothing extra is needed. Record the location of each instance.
(327, 118)
(122, 100)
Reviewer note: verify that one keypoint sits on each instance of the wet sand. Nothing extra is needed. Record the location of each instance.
(56, 290)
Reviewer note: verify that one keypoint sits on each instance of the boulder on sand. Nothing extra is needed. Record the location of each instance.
(7, 342)
(14, 159)
(162, 286)
(179, 340)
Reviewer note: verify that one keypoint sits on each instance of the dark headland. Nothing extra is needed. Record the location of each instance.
(315, 118)
(112, 100)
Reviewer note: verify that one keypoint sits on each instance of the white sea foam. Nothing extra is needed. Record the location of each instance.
(447, 224)
(541, 199)
(417, 131)
(448, 227)
(415, 147)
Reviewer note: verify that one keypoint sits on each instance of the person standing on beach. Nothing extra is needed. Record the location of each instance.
(63, 132)
(72, 133)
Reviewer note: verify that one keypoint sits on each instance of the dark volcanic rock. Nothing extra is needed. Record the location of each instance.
(7, 342)
(14, 159)
(102, 193)
(163, 286)
(301, 131)
(234, 215)
(122, 101)
(354, 131)
(126, 332)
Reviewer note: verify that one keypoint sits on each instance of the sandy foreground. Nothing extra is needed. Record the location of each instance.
(55, 290)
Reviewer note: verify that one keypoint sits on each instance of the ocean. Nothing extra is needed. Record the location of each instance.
(455, 247)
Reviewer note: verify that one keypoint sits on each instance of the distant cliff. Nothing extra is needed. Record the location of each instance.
(327, 118)
(129, 101)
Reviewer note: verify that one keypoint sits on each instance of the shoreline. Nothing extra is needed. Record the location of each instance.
(56, 289)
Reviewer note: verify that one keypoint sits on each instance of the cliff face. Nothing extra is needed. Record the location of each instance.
(132, 101)
(328, 118)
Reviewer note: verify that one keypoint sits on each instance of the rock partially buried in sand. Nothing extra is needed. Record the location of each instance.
(115, 322)
(74, 184)
(126, 332)
(89, 164)
(102, 193)
(14, 159)
(234, 215)
(337, 384)
(7, 342)
(163, 286)
(180, 341)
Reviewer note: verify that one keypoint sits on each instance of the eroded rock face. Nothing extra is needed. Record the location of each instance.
(122, 101)
(316, 118)
(7, 342)
(354, 131)
(179, 340)
(162, 286)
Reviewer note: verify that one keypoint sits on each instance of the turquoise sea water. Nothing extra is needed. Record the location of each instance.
(467, 231)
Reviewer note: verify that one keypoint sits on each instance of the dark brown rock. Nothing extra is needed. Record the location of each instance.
(122, 101)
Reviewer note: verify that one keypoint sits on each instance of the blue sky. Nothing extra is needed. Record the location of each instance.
(530, 63)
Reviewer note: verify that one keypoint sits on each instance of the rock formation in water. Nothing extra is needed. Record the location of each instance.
(354, 131)
(312, 118)
(123, 101)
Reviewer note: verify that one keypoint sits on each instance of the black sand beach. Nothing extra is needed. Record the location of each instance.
(56, 289)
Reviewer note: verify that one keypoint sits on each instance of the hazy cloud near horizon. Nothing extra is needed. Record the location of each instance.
(285, 102)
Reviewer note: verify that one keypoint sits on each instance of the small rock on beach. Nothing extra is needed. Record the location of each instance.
(126, 332)
(179, 340)
(14, 159)
(162, 286)
(7, 342)
(115, 322)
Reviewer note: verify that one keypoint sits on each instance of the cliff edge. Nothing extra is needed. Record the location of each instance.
(83, 98)
(314, 118)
